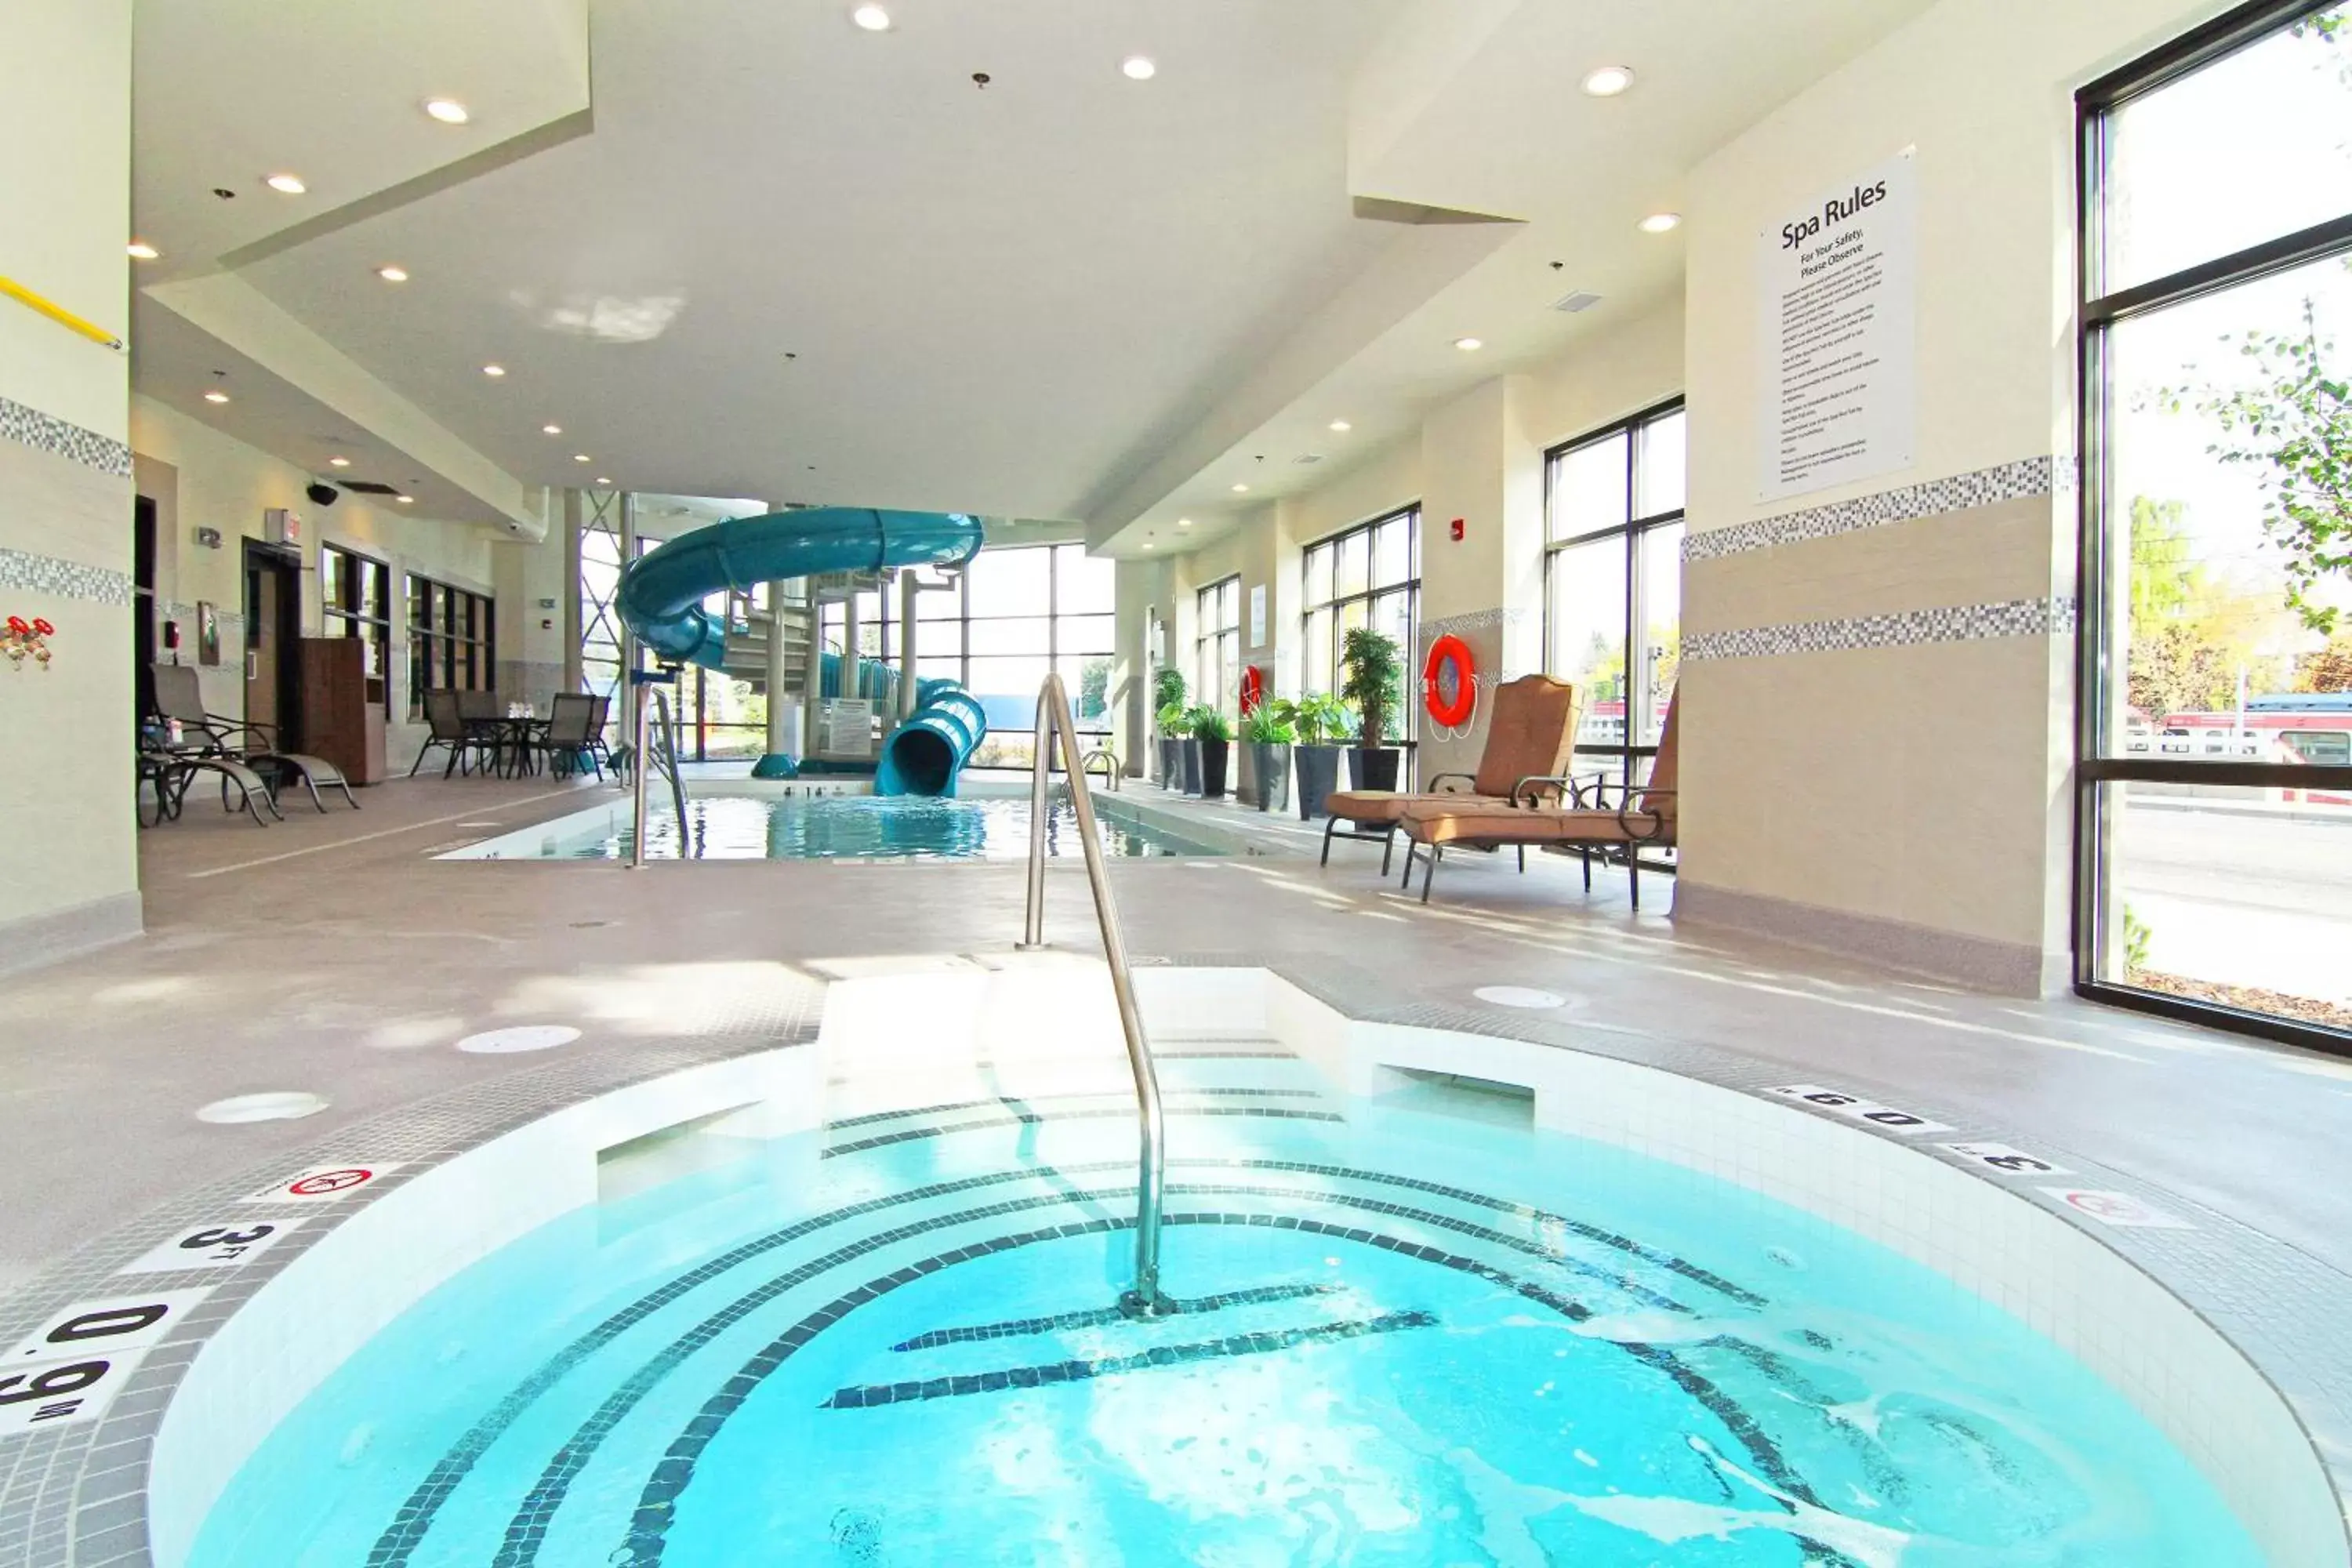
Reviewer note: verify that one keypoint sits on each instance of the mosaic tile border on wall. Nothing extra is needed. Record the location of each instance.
(34, 573)
(63, 437)
(1985, 487)
(1897, 628)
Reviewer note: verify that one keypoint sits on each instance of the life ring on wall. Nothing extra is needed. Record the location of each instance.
(1252, 689)
(1450, 652)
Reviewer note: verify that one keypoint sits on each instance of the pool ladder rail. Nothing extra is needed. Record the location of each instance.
(1144, 1299)
(1109, 760)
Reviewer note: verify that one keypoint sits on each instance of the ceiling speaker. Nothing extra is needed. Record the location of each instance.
(322, 495)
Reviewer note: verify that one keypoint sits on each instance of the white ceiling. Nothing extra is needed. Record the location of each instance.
(781, 257)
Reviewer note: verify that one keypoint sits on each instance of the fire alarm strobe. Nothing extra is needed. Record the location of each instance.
(1454, 528)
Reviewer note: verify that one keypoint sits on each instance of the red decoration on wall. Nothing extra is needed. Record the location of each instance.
(1450, 652)
(1454, 528)
(1252, 689)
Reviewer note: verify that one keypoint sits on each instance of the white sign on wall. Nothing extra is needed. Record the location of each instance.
(1258, 615)
(1838, 358)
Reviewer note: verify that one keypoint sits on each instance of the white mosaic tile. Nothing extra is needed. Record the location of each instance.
(1899, 628)
(66, 579)
(1985, 487)
(48, 432)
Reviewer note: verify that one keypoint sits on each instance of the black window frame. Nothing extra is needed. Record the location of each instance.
(2099, 760)
(341, 611)
(1406, 721)
(1632, 530)
(455, 620)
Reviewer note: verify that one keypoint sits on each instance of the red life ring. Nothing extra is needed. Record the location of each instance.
(1252, 689)
(1450, 651)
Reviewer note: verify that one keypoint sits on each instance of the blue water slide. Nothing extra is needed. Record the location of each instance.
(662, 593)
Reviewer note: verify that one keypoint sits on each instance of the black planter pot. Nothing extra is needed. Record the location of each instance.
(1374, 769)
(1319, 775)
(1269, 774)
(1192, 766)
(1212, 768)
(1172, 762)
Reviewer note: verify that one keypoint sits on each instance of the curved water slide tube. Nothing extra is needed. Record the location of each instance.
(661, 599)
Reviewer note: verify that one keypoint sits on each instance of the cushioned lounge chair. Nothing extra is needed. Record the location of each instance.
(1644, 815)
(1529, 740)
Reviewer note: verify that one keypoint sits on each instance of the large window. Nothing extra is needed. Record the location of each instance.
(1217, 645)
(1613, 580)
(1018, 612)
(1368, 576)
(2214, 807)
(452, 643)
(356, 596)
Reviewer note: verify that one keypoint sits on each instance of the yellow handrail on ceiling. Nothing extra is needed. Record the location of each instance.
(60, 314)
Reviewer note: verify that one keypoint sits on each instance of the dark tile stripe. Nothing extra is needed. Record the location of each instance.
(400, 1538)
(648, 1530)
(1128, 1096)
(1037, 1117)
(1103, 1316)
(873, 1396)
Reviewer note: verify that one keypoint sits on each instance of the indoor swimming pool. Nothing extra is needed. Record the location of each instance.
(830, 828)
(1413, 1328)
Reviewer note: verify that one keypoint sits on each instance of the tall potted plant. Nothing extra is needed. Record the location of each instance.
(1167, 699)
(1319, 719)
(1269, 735)
(1213, 734)
(1372, 682)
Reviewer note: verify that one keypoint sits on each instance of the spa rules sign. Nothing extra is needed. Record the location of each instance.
(1839, 356)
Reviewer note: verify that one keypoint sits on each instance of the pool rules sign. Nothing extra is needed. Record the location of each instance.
(1839, 357)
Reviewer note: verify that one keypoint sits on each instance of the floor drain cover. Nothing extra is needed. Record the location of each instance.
(1519, 996)
(525, 1037)
(281, 1105)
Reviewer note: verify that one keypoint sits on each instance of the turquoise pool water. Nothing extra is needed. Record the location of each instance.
(1409, 1339)
(827, 828)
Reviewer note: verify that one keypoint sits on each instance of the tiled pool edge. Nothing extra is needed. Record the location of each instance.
(78, 1495)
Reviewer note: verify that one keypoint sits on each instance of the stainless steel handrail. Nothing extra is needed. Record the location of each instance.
(1110, 765)
(1144, 1301)
(641, 762)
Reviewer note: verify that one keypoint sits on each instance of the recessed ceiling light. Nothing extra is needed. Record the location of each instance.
(581, 457)
(603, 480)
(551, 430)
(1662, 222)
(494, 371)
(215, 397)
(1241, 489)
(1341, 426)
(392, 274)
(873, 18)
(1184, 523)
(1469, 345)
(143, 250)
(1136, 68)
(339, 462)
(1609, 81)
(1148, 545)
(405, 501)
(448, 111)
(291, 184)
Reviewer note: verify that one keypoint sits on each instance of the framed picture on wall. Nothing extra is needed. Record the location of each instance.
(207, 634)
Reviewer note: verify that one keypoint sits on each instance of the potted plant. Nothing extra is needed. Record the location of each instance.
(1188, 725)
(1167, 699)
(1373, 683)
(1318, 719)
(1269, 735)
(1212, 736)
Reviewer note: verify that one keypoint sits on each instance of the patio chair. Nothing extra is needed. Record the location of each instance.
(178, 696)
(571, 740)
(1645, 815)
(170, 773)
(1529, 740)
(452, 735)
(597, 725)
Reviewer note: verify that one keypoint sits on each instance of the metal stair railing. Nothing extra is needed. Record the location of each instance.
(649, 758)
(1144, 1299)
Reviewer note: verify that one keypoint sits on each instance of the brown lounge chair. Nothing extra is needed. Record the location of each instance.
(1644, 815)
(1529, 744)
(179, 696)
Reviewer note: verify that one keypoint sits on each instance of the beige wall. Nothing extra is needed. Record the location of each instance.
(1907, 800)
(221, 483)
(68, 874)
